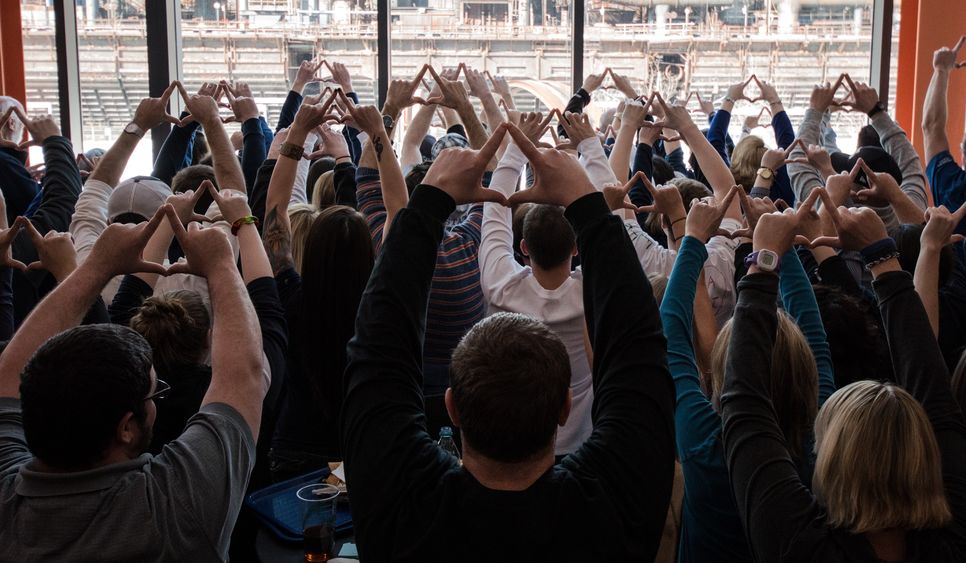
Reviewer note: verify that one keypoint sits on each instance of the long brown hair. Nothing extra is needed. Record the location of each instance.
(336, 265)
(792, 380)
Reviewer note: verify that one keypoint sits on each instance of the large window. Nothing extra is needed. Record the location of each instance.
(676, 47)
(525, 41)
(679, 47)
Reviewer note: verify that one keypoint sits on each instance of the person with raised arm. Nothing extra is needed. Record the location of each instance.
(509, 392)
(890, 456)
(78, 405)
(947, 178)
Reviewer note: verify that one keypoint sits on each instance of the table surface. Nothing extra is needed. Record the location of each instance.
(271, 549)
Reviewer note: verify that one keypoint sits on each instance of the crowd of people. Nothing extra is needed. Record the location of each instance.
(748, 353)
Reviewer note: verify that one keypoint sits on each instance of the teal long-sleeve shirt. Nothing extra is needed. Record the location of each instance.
(711, 529)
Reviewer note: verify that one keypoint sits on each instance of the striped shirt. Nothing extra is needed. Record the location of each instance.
(455, 297)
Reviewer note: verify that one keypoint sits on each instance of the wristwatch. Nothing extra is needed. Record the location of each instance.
(388, 122)
(134, 129)
(766, 260)
(766, 173)
(879, 106)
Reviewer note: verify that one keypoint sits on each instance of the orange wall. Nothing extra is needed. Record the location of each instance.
(926, 26)
(11, 51)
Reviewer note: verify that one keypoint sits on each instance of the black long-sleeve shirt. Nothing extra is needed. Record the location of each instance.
(784, 522)
(411, 502)
(61, 186)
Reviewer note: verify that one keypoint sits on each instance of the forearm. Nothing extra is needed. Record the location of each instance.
(718, 131)
(394, 192)
(415, 133)
(253, 151)
(228, 171)
(926, 281)
(174, 152)
(254, 261)
(804, 177)
(156, 250)
(112, 164)
(283, 177)
(620, 155)
(713, 167)
(475, 133)
(61, 309)
(896, 143)
(494, 117)
(935, 114)
(237, 370)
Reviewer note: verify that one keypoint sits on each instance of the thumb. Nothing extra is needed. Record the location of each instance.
(832, 242)
(491, 196)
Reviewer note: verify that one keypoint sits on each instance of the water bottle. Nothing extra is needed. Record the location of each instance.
(447, 444)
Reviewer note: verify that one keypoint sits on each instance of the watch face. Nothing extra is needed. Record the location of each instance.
(387, 122)
(767, 260)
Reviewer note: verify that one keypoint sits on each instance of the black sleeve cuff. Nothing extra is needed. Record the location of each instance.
(56, 142)
(432, 201)
(759, 287)
(252, 125)
(587, 209)
(584, 96)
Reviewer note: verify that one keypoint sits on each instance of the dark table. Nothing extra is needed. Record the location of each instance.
(271, 549)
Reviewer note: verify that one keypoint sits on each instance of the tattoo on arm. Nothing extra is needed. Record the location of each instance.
(278, 242)
(377, 144)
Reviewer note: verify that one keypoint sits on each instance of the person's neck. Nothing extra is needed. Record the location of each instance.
(502, 476)
(552, 278)
(889, 545)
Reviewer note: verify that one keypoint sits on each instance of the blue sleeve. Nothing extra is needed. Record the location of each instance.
(676, 159)
(19, 189)
(253, 151)
(784, 130)
(948, 183)
(175, 152)
(718, 132)
(799, 301)
(694, 417)
(287, 114)
(352, 140)
(267, 133)
(642, 163)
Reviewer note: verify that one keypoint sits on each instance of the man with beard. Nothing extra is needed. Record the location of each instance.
(77, 406)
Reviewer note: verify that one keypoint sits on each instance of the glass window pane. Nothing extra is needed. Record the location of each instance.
(262, 43)
(681, 47)
(528, 43)
(40, 60)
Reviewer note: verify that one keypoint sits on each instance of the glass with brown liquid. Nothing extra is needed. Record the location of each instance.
(318, 522)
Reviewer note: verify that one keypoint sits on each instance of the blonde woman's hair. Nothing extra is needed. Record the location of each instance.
(323, 195)
(878, 463)
(301, 216)
(746, 160)
(792, 380)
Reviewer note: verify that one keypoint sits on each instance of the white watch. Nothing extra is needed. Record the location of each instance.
(134, 129)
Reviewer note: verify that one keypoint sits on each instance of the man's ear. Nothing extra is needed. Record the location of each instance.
(454, 416)
(523, 248)
(127, 430)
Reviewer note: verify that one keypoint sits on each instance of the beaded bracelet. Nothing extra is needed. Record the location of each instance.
(879, 252)
(247, 220)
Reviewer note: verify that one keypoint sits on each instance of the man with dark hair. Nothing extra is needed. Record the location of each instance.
(411, 500)
(74, 480)
(548, 238)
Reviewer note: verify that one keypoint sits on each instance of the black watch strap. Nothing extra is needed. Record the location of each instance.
(878, 107)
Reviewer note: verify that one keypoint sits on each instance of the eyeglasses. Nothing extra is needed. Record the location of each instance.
(161, 390)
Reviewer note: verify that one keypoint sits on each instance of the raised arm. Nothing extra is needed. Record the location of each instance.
(117, 252)
(239, 377)
(633, 436)
(940, 224)
(204, 110)
(714, 168)
(387, 448)
(378, 152)
(776, 508)
(935, 110)
(896, 143)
